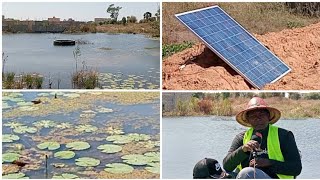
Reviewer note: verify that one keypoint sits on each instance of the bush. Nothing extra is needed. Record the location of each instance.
(85, 79)
(205, 106)
(168, 50)
(182, 107)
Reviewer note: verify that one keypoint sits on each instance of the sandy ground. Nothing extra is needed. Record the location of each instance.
(299, 48)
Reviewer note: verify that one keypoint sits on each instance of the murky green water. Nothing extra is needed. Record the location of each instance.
(92, 118)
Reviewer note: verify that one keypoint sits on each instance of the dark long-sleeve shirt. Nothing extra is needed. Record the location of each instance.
(292, 162)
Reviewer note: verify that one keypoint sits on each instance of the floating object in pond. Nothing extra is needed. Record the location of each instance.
(15, 176)
(66, 176)
(36, 101)
(87, 162)
(63, 42)
(118, 168)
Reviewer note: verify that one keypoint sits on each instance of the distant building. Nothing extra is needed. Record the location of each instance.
(102, 20)
(53, 20)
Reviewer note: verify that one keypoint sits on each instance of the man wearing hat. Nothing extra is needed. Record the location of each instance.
(263, 151)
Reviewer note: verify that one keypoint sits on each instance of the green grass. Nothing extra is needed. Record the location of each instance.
(168, 50)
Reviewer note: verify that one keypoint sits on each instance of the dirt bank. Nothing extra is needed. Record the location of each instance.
(299, 48)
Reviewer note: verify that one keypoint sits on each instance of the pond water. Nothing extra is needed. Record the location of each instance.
(120, 58)
(186, 140)
(141, 120)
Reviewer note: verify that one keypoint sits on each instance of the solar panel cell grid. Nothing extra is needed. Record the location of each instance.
(235, 45)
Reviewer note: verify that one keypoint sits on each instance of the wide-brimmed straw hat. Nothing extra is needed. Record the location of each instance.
(258, 103)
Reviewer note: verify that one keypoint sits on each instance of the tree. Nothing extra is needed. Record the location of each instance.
(158, 14)
(114, 12)
(124, 21)
(147, 15)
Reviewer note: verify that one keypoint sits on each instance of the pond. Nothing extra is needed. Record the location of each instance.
(83, 134)
(186, 140)
(124, 61)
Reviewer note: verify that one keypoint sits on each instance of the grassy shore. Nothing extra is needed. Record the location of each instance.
(258, 17)
(290, 109)
(151, 29)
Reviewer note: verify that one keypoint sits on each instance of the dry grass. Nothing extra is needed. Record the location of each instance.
(258, 18)
(290, 109)
(150, 28)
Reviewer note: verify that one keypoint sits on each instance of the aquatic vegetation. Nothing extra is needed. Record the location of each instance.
(86, 128)
(6, 138)
(64, 125)
(24, 129)
(44, 124)
(15, 176)
(16, 99)
(87, 162)
(123, 139)
(110, 148)
(119, 139)
(10, 168)
(12, 124)
(122, 81)
(64, 154)
(87, 115)
(155, 168)
(22, 103)
(114, 131)
(118, 168)
(78, 145)
(50, 145)
(5, 105)
(136, 159)
(105, 48)
(71, 95)
(101, 109)
(65, 176)
(153, 156)
(28, 108)
(43, 94)
(10, 157)
(68, 130)
(139, 137)
(151, 144)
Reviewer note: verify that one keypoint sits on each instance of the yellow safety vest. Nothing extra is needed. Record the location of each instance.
(273, 145)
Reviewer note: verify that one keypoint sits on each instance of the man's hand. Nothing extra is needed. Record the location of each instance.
(250, 146)
(260, 162)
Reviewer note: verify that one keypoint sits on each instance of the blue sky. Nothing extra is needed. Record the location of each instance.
(82, 11)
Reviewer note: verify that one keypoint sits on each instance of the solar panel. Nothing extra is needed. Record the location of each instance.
(235, 45)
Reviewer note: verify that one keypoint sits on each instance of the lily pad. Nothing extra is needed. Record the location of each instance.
(44, 124)
(78, 145)
(25, 129)
(136, 159)
(86, 128)
(110, 148)
(10, 157)
(12, 124)
(64, 125)
(6, 138)
(15, 176)
(66, 176)
(119, 139)
(118, 168)
(87, 115)
(87, 162)
(155, 168)
(153, 156)
(139, 137)
(64, 154)
(50, 145)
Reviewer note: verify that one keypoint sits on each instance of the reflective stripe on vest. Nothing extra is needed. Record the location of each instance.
(273, 144)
